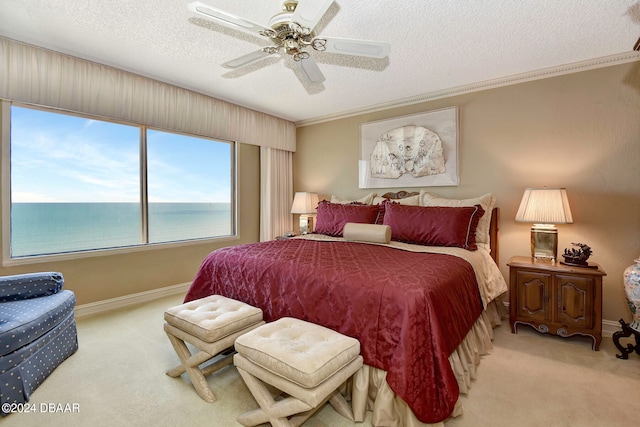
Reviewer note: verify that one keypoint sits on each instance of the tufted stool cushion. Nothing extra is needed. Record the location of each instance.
(212, 325)
(213, 317)
(301, 352)
(308, 362)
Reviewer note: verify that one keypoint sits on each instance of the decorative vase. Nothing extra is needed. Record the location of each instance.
(632, 289)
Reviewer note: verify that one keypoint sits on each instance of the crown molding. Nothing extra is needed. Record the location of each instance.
(606, 61)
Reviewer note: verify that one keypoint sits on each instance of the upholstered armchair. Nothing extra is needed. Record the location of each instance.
(37, 332)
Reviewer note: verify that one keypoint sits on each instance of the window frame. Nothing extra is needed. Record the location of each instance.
(144, 245)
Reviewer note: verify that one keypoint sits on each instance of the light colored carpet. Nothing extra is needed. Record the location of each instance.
(117, 379)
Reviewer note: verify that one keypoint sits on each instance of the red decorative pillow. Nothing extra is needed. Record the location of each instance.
(333, 216)
(434, 225)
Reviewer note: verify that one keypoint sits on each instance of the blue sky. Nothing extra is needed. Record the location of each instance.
(63, 158)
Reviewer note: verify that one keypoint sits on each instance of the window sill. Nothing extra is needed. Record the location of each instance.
(35, 259)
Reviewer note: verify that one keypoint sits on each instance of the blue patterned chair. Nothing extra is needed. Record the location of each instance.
(37, 332)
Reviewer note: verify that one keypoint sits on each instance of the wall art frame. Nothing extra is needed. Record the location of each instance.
(443, 122)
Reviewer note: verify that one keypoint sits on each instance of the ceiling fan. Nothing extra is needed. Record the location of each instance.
(292, 31)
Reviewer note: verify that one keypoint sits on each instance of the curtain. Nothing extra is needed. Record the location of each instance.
(38, 76)
(276, 192)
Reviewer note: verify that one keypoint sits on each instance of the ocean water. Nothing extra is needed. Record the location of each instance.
(49, 228)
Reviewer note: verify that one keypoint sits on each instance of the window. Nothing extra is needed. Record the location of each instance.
(80, 184)
(189, 183)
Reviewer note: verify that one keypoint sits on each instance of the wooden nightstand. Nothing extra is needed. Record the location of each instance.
(556, 298)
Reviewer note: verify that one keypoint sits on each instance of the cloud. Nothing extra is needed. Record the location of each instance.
(25, 197)
(56, 157)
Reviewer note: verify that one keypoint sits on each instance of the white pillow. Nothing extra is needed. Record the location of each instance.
(366, 200)
(487, 202)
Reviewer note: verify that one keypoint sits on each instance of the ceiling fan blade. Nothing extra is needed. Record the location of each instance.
(226, 18)
(311, 70)
(309, 12)
(246, 59)
(353, 47)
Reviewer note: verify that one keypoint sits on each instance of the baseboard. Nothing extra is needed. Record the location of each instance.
(608, 326)
(92, 308)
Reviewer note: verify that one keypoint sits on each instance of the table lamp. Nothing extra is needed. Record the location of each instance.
(305, 204)
(544, 207)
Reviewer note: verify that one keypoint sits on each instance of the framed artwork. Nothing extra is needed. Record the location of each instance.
(419, 150)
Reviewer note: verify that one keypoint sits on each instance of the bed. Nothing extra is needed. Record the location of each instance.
(422, 305)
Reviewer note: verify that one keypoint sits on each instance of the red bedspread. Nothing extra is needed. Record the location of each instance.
(408, 310)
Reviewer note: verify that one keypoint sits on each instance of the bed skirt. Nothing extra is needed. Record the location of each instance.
(370, 391)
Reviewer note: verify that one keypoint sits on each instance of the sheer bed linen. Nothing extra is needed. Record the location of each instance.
(411, 309)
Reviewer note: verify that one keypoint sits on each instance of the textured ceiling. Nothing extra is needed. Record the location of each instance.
(435, 45)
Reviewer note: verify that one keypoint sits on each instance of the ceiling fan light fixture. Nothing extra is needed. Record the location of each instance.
(291, 46)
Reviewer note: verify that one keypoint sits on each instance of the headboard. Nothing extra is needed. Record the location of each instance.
(493, 227)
